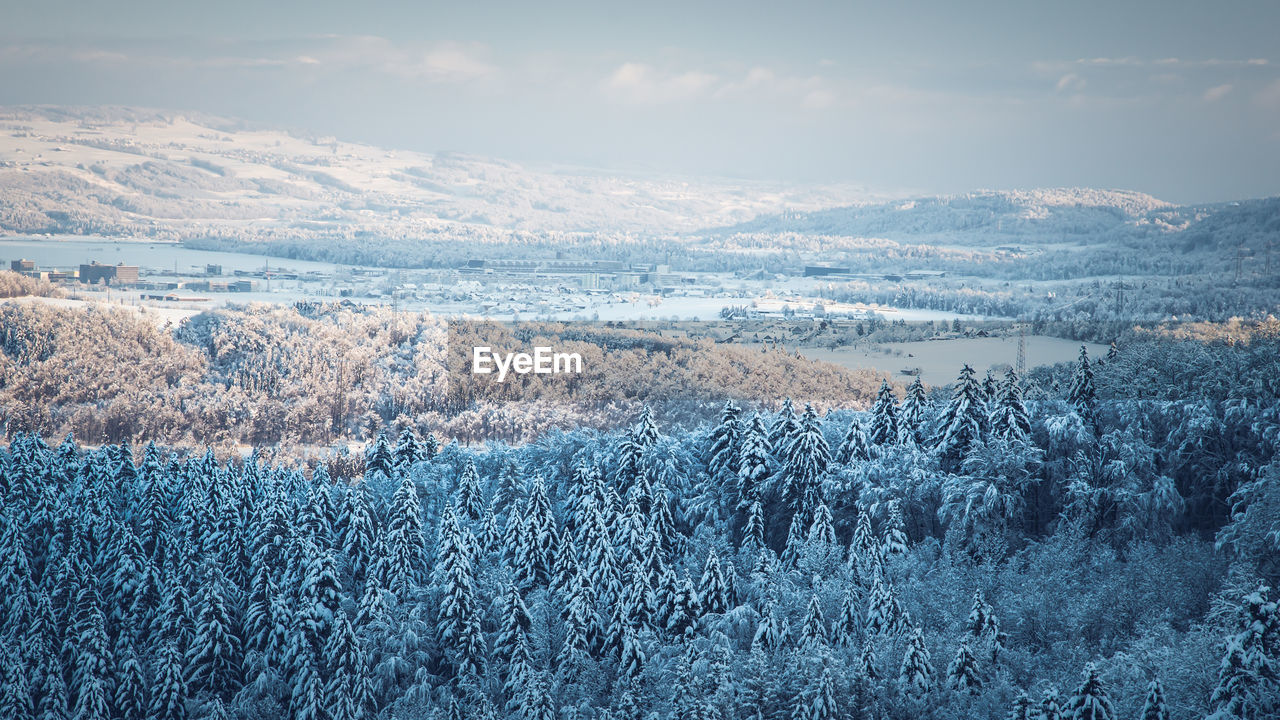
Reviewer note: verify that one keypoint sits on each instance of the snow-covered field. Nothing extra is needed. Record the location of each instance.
(940, 360)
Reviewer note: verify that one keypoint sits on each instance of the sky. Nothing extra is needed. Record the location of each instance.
(1177, 99)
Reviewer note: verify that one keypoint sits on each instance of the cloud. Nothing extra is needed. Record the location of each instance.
(1269, 96)
(642, 84)
(1070, 82)
(1217, 92)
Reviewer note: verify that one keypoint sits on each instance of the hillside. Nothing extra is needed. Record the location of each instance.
(168, 175)
(1078, 216)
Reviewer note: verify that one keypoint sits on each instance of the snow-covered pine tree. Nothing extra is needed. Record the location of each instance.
(470, 502)
(813, 631)
(378, 457)
(960, 426)
(1090, 701)
(916, 673)
(1023, 708)
(854, 447)
(753, 463)
(711, 586)
(807, 459)
(1154, 708)
(409, 449)
(130, 686)
(1051, 705)
(772, 630)
(724, 446)
(1081, 394)
(1249, 674)
(848, 626)
(963, 673)
(1009, 418)
(884, 417)
(753, 531)
(514, 624)
(895, 534)
(214, 658)
(913, 414)
(822, 530)
(682, 623)
(169, 689)
(783, 429)
(459, 621)
(405, 544)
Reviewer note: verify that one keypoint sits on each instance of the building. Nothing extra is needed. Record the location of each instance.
(212, 269)
(23, 265)
(821, 270)
(120, 274)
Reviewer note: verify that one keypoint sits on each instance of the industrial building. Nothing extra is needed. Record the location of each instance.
(121, 274)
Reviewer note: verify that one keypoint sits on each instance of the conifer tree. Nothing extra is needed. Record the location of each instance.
(408, 449)
(685, 609)
(1009, 418)
(807, 459)
(913, 414)
(813, 632)
(724, 446)
(784, 429)
(379, 458)
(470, 503)
(1082, 394)
(753, 463)
(169, 691)
(213, 660)
(1023, 708)
(963, 674)
(884, 417)
(130, 687)
(854, 447)
(515, 623)
(1249, 674)
(848, 626)
(960, 427)
(895, 535)
(459, 623)
(1051, 705)
(1090, 701)
(711, 587)
(771, 632)
(1154, 708)
(404, 541)
(916, 674)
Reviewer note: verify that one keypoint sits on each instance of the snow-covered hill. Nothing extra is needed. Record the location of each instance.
(162, 174)
(1043, 216)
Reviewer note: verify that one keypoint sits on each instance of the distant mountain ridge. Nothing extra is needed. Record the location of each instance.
(1038, 216)
(156, 174)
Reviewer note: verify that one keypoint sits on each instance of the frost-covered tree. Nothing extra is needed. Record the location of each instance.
(916, 673)
(884, 417)
(1009, 418)
(855, 446)
(724, 450)
(784, 428)
(459, 621)
(1090, 701)
(1154, 708)
(405, 545)
(960, 426)
(913, 414)
(963, 673)
(1082, 395)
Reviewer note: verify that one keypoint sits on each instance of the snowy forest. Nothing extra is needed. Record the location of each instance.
(1093, 542)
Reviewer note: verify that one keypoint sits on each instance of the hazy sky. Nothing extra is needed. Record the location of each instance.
(1178, 99)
